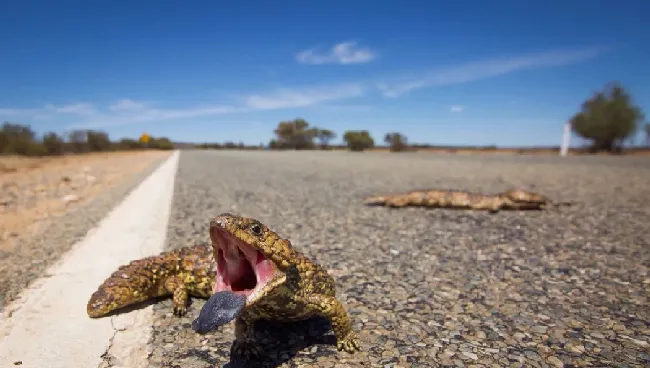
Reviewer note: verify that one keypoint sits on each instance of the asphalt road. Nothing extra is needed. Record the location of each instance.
(435, 287)
(425, 287)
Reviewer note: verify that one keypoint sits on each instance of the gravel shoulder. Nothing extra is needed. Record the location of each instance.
(49, 204)
(434, 287)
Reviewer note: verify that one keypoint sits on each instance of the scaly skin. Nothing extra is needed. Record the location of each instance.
(455, 199)
(299, 290)
(184, 272)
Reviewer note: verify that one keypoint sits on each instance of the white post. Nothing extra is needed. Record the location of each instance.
(566, 139)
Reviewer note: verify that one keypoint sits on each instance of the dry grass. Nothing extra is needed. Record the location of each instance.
(14, 163)
(33, 188)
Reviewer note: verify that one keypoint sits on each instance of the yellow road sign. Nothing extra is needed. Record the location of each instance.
(144, 138)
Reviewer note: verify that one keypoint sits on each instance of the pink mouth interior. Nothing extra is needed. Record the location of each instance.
(240, 268)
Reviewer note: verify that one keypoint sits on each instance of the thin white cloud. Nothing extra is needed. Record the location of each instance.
(343, 53)
(127, 111)
(50, 109)
(127, 105)
(288, 98)
(18, 112)
(143, 114)
(489, 68)
(121, 113)
(74, 109)
(345, 107)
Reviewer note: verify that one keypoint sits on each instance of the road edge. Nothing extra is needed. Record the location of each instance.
(49, 315)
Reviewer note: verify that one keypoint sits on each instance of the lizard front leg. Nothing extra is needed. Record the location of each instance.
(179, 293)
(330, 308)
(244, 344)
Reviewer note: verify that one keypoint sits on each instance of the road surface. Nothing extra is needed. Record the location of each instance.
(424, 288)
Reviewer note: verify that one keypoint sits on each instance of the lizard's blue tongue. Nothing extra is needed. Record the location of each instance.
(221, 308)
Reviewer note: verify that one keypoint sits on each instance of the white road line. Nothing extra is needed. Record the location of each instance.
(48, 326)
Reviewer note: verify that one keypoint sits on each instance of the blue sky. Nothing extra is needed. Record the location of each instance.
(467, 72)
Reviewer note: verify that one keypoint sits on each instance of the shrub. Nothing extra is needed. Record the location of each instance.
(358, 140)
(607, 119)
(54, 145)
(397, 142)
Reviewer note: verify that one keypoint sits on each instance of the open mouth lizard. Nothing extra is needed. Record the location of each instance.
(246, 258)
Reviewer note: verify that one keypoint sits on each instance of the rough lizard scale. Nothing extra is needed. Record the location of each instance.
(246, 258)
(279, 282)
(457, 199)
(180, 273)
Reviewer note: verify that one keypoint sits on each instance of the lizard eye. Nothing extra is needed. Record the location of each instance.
(256, 229)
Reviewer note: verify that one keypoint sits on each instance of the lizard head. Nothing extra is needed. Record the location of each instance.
(252, 260)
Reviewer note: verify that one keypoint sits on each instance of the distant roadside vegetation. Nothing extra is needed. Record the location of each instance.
(20, 139)
(607, 120)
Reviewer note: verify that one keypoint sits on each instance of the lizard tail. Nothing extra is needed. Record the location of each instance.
(375, 201)
(118, 292)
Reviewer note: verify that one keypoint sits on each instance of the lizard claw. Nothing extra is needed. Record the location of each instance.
(246, 349)
(180, 310)
(350, 343)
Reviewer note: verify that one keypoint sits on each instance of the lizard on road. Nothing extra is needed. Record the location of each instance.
(279, 282)
(246, 258)
(456, 199)
(183, 272)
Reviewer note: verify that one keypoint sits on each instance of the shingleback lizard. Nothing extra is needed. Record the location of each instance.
(456, 199)
(278, 281)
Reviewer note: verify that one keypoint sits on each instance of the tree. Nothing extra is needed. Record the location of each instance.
(78, 141)
(162, 143)
(397, 142)
(274, 144)
(21, 140)
(325, 136)
(646, 128)
(97, 141)
(358, 140)
(608, 118)
(17, 139)
(128, 144)
(54, 145)
(295, 134)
